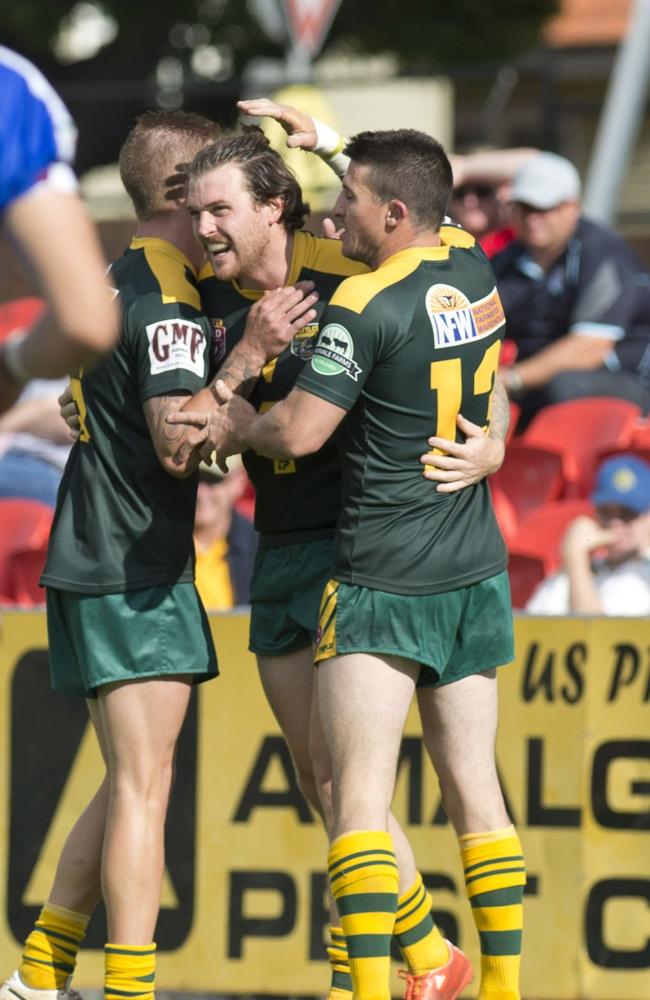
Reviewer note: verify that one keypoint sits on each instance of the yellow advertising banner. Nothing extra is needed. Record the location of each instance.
(244, 905)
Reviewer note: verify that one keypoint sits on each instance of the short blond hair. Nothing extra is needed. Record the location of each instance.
(156, 154)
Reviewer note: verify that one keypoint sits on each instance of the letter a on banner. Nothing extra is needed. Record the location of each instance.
(309, 21)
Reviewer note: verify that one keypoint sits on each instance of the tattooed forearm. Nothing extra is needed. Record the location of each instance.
(500, 413)
(166, 437)
(240, 371)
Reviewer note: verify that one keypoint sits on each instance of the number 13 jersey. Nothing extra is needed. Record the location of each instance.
(405, 349)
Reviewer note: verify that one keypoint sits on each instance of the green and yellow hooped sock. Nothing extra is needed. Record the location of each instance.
(419, 940)
(495, 876)
(341, 982)
(129, 971)
(364, 881)
(50, 952)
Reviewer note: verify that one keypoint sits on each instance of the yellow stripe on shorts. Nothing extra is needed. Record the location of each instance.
(326, 635)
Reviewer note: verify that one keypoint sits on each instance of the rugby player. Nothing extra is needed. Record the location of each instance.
(44, 217)
(126, 627)
(247, 210)
(419, 597)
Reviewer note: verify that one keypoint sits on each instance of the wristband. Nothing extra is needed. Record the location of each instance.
(329, 146)
(13, 363)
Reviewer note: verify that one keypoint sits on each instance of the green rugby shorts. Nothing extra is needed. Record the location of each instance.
(452, 635)
(286, 591)
(154, 632)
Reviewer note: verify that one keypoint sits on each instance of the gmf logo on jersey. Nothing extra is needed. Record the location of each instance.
(176, 343)
(219, 340)
(304, 342)
(334, 353)
(456, 320)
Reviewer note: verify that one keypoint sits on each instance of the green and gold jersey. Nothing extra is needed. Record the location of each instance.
(404, 349)
(296, 500)
(123, 523)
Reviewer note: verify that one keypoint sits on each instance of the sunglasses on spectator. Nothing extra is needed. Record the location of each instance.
(480, 190)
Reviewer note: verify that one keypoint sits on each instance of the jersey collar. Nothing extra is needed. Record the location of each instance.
(163, 247)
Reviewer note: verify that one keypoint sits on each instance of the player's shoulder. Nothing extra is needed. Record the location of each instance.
(359, 292)
(156, 272)
(316, 253)
(37, 134)
(453, 235)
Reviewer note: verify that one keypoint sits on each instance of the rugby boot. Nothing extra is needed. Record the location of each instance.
(444, 983)
(15, 989)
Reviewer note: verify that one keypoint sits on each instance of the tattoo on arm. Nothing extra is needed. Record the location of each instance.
(166, 437)
(240, 371)
(500, 415)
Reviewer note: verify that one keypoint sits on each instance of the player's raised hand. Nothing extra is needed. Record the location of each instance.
(276, 318)
(454, 465)
(299, 126)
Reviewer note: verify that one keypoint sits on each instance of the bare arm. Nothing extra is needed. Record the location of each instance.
(271, 324)
(298, 425)
(167, 438)
(581, 538)
(573, 351)
(457, 465)
(41, 417)
(55, 236)
(303, 131)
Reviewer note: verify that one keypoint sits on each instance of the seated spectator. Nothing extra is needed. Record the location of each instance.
(576, 298)
(224, 541)
(606, 561)
(481, 194)
(34, 443)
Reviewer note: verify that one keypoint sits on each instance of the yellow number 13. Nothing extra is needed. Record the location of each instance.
(447, 381)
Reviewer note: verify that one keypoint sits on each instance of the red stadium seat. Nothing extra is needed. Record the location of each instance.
(529, 476)
(579, 431)
(24, 527)
(641, 433)
(19, 314)
(535, 548)
(525, 573)
(505, 512)
(515, 411)
(24, 571)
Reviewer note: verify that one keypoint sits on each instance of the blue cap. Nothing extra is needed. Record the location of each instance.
(625, 480)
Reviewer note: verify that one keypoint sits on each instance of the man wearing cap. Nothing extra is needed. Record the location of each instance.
(576, 298)
(607, 558)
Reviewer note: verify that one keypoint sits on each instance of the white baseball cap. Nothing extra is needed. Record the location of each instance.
(546, 180)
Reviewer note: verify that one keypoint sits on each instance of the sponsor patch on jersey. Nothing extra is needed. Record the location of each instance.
(304, 342)
(334, 353)
(219, 340)
(176, 343)
(455, 320)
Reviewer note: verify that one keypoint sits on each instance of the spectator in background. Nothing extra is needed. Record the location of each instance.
(479, 201)
(576, 298)
(44, 217)
(224, 541)
(607, 558)
(34, 443)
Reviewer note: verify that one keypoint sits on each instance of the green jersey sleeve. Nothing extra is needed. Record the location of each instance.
(169, 349)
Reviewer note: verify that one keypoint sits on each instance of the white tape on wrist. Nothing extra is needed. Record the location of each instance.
(329, 146)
